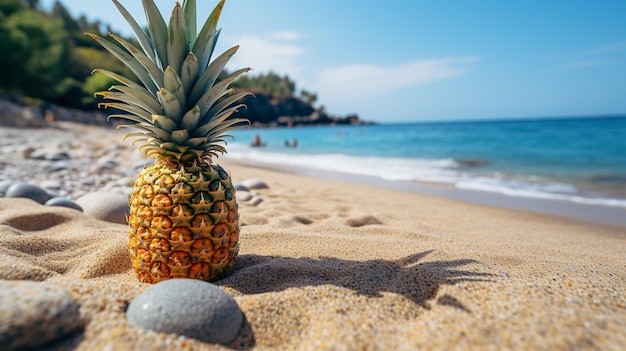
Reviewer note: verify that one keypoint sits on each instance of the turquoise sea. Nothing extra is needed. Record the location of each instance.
(573, 159)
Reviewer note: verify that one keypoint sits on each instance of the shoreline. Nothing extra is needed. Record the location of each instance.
(603, 214)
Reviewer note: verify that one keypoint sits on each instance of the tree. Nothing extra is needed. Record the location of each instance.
(31, 4)
(35, 48)
(9, 7)
(269, 83)
(15, 50)
(69, 23)
(308, 97)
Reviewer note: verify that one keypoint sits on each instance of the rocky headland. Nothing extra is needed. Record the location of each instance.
(262, 110)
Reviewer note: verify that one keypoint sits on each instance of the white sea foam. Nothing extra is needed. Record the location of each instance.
(395, 169)
(554, 191)
(425, 170)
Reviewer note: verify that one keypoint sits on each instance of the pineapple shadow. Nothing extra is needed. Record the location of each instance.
(411, 276)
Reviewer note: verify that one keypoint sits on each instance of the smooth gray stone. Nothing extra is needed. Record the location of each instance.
(188, 307)
(255, 201)
(63, 202)
(54, 154)
(59, 166)
(28, 191)
(4, 186)
(254, 183)
(38, 154)
(243, 195)
(107, 206)
(34, 313)
(57, 155)
(106, 163)
(241, 187)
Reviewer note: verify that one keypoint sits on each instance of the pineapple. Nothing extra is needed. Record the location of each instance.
(183, 212)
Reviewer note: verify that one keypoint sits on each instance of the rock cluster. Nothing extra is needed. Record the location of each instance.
(17, 112)
(271, 110)
(84, 168)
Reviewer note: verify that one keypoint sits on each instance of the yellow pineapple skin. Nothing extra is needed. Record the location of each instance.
(184, 222)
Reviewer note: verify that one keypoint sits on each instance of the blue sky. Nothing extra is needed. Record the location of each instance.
(426, 60)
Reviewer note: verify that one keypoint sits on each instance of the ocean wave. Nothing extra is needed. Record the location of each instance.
(529, 189)
(394, 169)
(447, 171)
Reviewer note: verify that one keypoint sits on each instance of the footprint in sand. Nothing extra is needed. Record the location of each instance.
(36, 222)
(361, 221)
(290, 220)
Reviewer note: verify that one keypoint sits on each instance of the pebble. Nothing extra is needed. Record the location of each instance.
(34, 313)
(50, 185)
(106, 206)
(54, 154)
(63, 202)
(108, 164)
(254, 183)
(28, 191)
(243, 195)
(189, 307)
(59, 166)
(241, 187)
(4, 186)
(255, 201)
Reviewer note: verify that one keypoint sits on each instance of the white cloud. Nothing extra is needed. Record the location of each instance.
(280, 52)
(609, 48)
(597, 56)
(270, 52)
(364, 80)
(285, 35)
(585, 63)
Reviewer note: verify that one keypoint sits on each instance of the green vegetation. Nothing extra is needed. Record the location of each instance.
(45, 55)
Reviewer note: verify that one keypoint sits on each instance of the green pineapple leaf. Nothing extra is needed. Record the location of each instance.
(224, 103)
(189, 72)
(137, 68)
(157, 30)
(189, 12)
(142, 94)
(129, 99)
(171, 105)
(164, 122)
(140, 113)
(217, 91)
(174, 85)
(141, 36)
(176, 42)
(205, 43)
(155, 72)
(119, 78)
(191, 118)
(210, 75)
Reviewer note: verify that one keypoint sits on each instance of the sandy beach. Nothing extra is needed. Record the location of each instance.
(327, 264)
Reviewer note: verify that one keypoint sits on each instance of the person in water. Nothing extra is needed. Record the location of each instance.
(257, 140)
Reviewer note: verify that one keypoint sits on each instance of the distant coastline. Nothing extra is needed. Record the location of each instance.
(264, 110)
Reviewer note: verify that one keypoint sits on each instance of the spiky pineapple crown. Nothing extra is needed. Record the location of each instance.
(181, 113)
